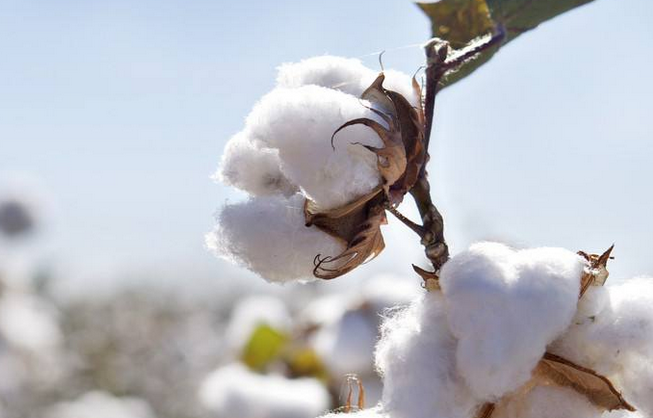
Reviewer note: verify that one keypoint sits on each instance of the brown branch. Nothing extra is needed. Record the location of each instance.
(437, 66)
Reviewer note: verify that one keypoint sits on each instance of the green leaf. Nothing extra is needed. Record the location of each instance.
(264, 346)
(462, 21)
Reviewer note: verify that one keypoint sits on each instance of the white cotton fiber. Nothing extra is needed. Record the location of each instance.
(29, 323)
(101, 405)
(252, 312)
(253, 169)
(612, 324)
(235, 392)
(348, 75)
(416, 359)
(299, 124)
(346, 345)
(376, 412)
(505, 306)
(547, 402)
(345, 74)
(268, 236)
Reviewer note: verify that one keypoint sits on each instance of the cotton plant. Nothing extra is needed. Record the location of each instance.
(497, 331)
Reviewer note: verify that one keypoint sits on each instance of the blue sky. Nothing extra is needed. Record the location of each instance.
(121, 109)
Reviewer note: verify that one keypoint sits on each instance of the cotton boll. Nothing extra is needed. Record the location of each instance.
(416, 358)
(299, 124)
(347, 345)
(268, 236)
(505, 307)
(254, 311)
(344, 74)
(547, 402)
(636, 383)
(101, 405)
(253, 169)
(235, 392)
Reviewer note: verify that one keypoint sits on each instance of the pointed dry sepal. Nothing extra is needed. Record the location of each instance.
(360, 405)
(431, 280)
(403, 154)
(596, 272)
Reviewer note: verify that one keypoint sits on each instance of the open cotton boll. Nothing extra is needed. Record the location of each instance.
(253, 169)
(299, 124)
(504, 307)
(547, 402)
(416, 359)
(636, 383)
(254, 311)
(101, 405)
(346, 346)
(235, 392)
(268, 236)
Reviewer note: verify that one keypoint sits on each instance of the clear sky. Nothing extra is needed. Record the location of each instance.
(121, 109)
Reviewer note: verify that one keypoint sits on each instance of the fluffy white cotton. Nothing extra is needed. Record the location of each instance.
(416, 359)
(253, 169)
(346, 346)
(101, 405)
(505, 306)
(612, 333)
(28, 322)
(252, 312)
(376, 412)
(268, 236)
(547, 402)
(612, 324)
(299, 123)
(348, 75)
(235, 392)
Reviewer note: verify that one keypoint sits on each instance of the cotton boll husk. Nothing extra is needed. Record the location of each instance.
(416, 359)
(101, 405)
(268, 236)
(505, 307)
(252, 169)
(547, 402)
(235, 392)
(299, 124)
(347, 345)
(254, 311)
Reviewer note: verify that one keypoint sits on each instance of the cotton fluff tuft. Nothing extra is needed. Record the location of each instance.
(235, 392)
(101, 405)
(253, 169)
(299, 123)
(416, 359)
(348, 75)
(268, 236)
(612, 333)
(505, 306)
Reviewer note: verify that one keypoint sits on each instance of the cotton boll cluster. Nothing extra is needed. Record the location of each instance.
(101, 405)
(284, 155)
(235, 392)
(479, 339)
